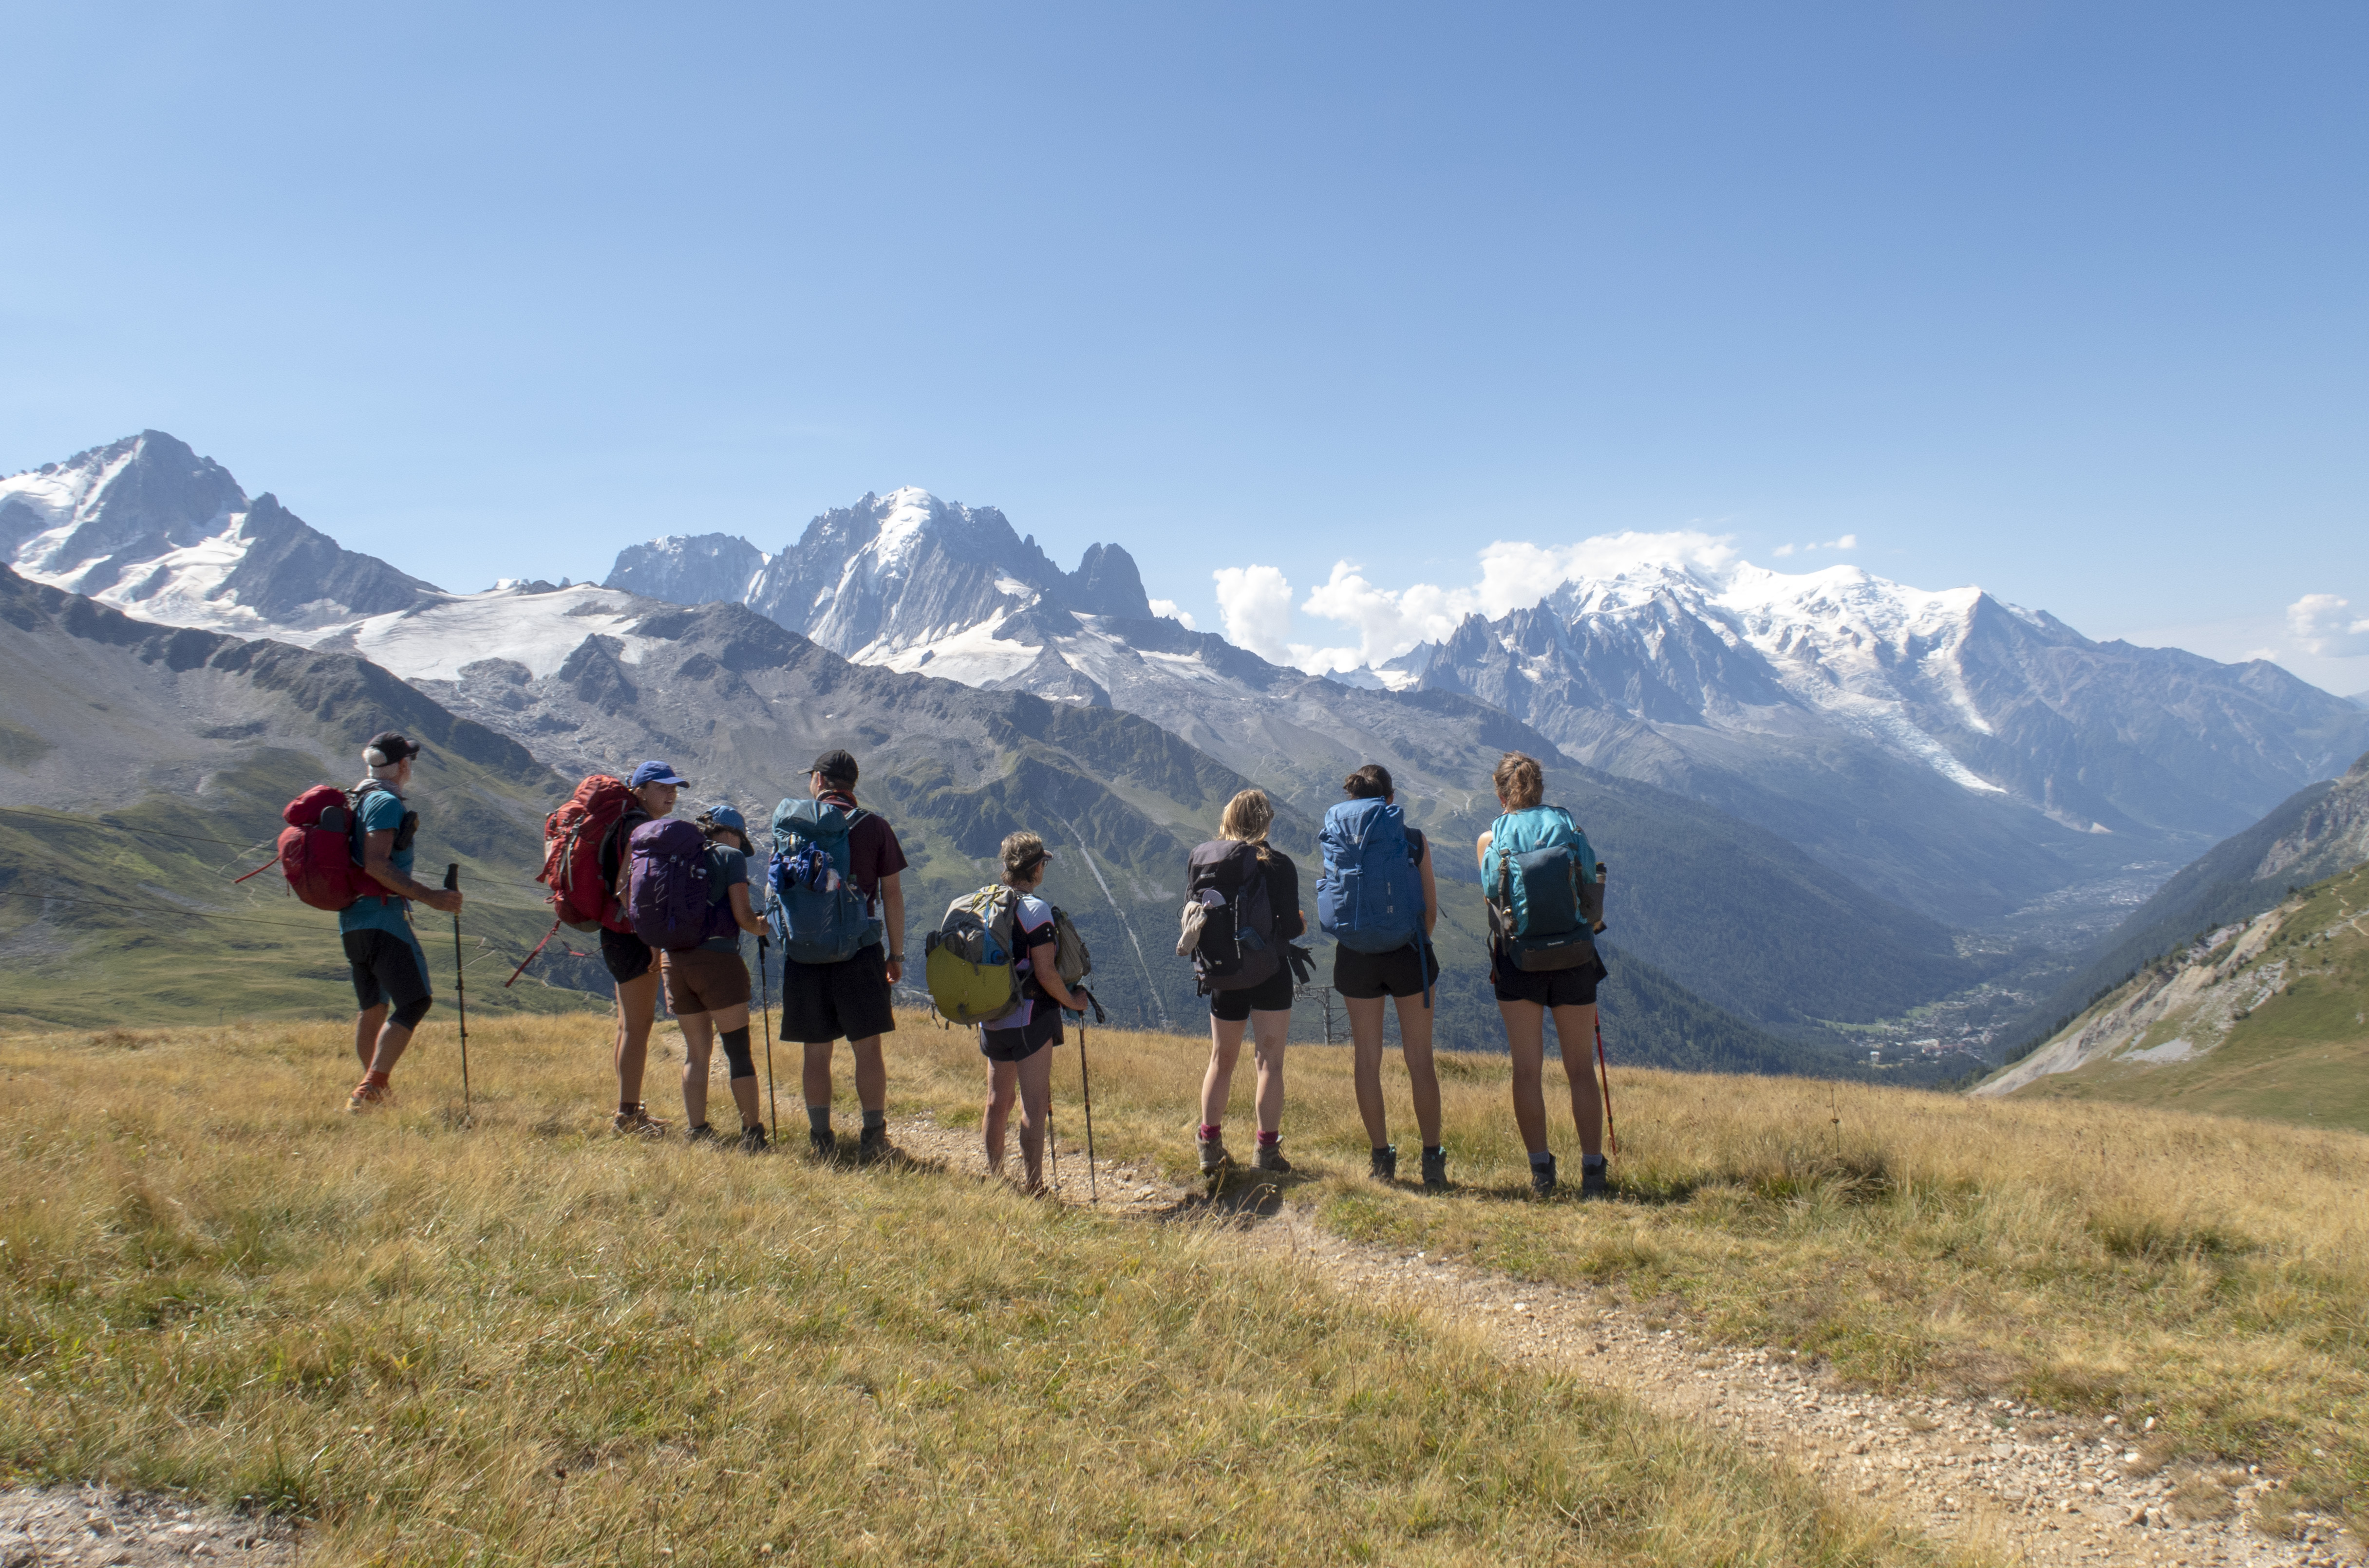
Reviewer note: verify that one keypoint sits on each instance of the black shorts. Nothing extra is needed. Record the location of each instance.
(1367, 976)
(1547, 987)
(1270, 995)
(849, 999)
(1019, 1045)
(627, 955)
(386, 969)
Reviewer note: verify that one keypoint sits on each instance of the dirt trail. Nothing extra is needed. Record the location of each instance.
(2031, 1488)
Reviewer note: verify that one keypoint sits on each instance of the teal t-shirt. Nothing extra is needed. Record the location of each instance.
(725, 867)
(382, 812)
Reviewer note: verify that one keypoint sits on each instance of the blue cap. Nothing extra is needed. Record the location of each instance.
(655, 771)
(724, 816)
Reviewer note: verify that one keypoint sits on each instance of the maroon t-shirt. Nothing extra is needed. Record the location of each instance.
(872, 852)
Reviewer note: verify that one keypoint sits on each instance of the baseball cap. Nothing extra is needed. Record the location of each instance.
(389, 747)
(655, 771)
(836, 766)
(724, 816)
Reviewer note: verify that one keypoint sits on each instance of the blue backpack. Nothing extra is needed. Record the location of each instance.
(1544, 897)
(811, 902)
(1369, 895)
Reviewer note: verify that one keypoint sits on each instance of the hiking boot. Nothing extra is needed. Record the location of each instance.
(1269, 1157)
(822, 1143)
(637, 1123)
(1435, 1170)
(702, 1133)
(872, 1145)
(368, 1096)
(1543, 1177)
(752, 1141)
(1214, 1157)
(1386, 1163)
(1595, 1180)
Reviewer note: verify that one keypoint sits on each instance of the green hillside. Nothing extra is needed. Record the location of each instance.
(2273, 1022)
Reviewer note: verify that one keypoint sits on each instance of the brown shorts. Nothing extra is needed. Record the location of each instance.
(700, 981)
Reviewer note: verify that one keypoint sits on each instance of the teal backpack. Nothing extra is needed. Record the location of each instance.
(1544, 887)
(811, 900)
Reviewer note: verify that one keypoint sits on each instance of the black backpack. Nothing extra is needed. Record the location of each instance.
(1233, 941)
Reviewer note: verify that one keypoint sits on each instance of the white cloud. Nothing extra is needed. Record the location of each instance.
(2324, 625)
(1256, 604)
(1513, 576)
(1784, 550)
(1168, 607)
(1848, 542)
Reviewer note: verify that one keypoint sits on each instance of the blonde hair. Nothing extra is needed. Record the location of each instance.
(1023, 852)
(1248, 816)
(1521, 783)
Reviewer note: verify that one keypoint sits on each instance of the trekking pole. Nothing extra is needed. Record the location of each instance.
(1611, 1137)
(1086, 1087)
(460, 983)
(765, 998)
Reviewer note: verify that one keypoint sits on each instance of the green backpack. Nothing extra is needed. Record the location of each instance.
(969, 961)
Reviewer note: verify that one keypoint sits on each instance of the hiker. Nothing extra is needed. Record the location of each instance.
(1018, 1046)
(390, 969)
(1377, 902)
(850, 861)
(1530, 857)
(629, 960)
(707, 986)
(1264, 877)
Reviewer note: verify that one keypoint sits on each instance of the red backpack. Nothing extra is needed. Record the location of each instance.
(318, 849)
(572, 837)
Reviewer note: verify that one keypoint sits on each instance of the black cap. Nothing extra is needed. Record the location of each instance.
(389, 747)
(836, 767)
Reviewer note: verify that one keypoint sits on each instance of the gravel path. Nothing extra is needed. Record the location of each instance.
(97, 1524)
(2030, 1485)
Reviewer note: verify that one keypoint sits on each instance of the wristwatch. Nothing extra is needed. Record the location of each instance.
(896, 958)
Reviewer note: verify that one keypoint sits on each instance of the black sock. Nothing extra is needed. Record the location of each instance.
(1431, 1148)
(872, 1120)
(818, 1119)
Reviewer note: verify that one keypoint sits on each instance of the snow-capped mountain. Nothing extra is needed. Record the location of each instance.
(148, 526)
(1997, 700)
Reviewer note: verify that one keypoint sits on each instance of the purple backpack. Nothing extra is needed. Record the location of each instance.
(669, 890)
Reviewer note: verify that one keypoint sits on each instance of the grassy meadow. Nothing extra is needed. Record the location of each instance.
(521, 1340)
(2210, 1272)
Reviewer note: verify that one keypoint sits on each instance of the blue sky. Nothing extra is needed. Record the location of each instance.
(2071, 302)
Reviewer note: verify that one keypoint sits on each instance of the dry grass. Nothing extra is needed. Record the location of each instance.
(522, 1341)
(2212, 1272)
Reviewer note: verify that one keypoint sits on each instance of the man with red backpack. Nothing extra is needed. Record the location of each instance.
(390, 970)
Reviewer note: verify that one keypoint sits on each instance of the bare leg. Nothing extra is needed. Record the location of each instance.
(1268, 1033)
(391, 1038)
(1366, 1070)
(1422, 1077)
(1526, 1033)
(1217, 1084)
(815, 1079)
(871, 1073)
(698, 1046)
(744, 1090)
(1002, 1080)
(637, 1005)
(1575, 1032)
(366, 1027)
(1036, 1077)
